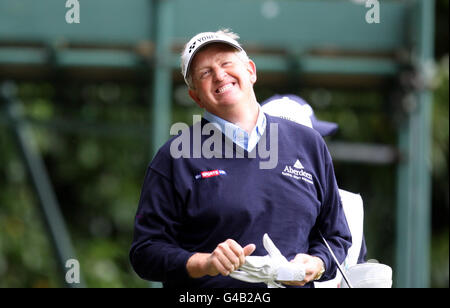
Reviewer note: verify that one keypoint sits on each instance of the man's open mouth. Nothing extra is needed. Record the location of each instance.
(225, 88)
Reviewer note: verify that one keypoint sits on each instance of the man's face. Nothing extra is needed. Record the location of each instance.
(221, 79)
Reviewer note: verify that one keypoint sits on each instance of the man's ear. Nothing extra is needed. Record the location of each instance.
(251, 67)
(194, 96)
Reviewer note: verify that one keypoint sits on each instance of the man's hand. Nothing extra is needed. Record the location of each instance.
(313, 265)
(227, 257)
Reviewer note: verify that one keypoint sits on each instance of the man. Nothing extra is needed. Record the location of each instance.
(198, 217)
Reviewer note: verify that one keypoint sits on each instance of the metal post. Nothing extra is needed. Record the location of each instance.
(162, 77)
(49, 207)
(414, 174)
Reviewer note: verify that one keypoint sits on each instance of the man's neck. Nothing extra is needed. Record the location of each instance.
(245, 117)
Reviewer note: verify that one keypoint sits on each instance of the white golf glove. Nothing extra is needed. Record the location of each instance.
(269, 268)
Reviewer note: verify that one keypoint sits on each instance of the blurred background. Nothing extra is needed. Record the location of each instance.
(85, 103)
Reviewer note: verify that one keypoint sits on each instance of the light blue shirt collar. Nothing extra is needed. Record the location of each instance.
(237, 134)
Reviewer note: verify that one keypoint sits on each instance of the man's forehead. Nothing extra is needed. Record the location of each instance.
(216, 47)
(212, 52)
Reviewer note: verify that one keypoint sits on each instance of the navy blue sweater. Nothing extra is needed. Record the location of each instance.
(184, 209)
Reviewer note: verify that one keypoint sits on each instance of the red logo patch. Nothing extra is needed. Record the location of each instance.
(210, 173)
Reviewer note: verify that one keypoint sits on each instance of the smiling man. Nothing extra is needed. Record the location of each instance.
(222, 84)
(198, 218)
(220, 77)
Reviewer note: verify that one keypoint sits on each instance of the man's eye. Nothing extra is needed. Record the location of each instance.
(204, 74)
(227, 63)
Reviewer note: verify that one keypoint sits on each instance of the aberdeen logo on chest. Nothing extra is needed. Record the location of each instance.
(297, 171)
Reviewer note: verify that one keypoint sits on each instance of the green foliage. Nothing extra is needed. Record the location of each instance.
(440, 183)
(97, 179)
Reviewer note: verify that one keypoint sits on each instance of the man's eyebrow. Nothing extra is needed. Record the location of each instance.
(201, 68)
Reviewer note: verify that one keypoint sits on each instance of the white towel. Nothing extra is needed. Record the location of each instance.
(270, 269)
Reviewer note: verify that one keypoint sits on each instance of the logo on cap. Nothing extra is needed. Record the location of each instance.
(192, 46)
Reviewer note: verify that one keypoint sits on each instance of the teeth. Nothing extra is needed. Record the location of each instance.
(224, 88)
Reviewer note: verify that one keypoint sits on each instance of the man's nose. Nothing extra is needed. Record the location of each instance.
(219, 74)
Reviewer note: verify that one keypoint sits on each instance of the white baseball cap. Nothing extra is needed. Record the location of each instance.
(296, 109)
(200, 40)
